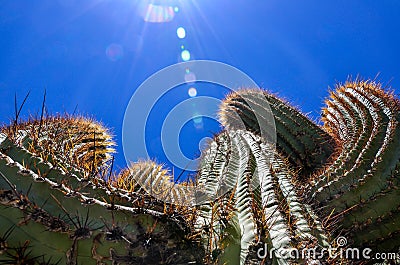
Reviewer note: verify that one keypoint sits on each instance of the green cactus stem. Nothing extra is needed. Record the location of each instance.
(55, 213)
(61, 202)
(362, 185)
(341, 179)
(263, 206)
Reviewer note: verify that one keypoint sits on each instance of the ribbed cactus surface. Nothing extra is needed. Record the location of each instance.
(320, 182)
(262, 206)
(306, 145)
(361, 187)
(57, 210)
(61, 202)
(78, 142)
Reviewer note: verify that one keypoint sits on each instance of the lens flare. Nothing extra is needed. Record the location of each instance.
(185, 55)
(181, 33)
(114, 52)
(190, 77)
(198, 123)
(158, 13)
(197, 119)
(192, 92)
(204, 143)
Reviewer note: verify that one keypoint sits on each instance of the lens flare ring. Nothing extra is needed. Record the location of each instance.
(174, 122)
(156, 86)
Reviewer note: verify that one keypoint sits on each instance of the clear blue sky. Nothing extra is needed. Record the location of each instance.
(93, 54)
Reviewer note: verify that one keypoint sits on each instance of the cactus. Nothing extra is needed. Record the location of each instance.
(317, 183)
(306, 145)
(60, 208)
(72, 142)
(61, 202)
(154, 180)
(262, 206)
(361, 186)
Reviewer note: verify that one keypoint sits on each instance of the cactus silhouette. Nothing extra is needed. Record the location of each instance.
(62, 203)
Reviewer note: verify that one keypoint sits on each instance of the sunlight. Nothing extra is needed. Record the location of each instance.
(159, 13)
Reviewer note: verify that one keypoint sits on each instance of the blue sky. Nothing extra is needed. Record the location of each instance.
(93, 54)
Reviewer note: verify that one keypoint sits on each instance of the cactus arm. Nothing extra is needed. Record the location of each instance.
(363, 189)
(359, 159)
(74, 141)
(41, 190)
(28, 165)
(318, 145)
(372, 156)
(347, 123)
